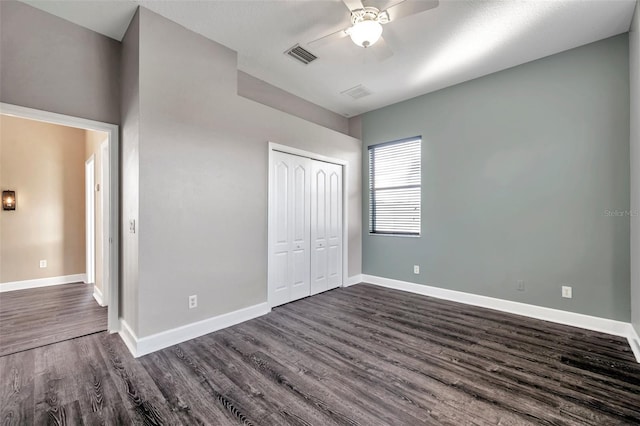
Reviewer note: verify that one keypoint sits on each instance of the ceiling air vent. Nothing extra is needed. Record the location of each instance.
(357, 92)
(301, 54)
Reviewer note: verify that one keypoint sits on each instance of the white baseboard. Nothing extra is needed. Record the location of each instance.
(356, 279)
(603, 325)
(42, 282)
(146, 345)
(634, 342)
(97, 294)
(128, 337)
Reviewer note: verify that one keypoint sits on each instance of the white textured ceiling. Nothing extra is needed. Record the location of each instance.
(455, 42)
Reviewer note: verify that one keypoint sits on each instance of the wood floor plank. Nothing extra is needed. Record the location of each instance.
(171, 372)
(513, 375)
(475, 319)
(418, 389)
(356, 374)
(311, 403)
(320, 394)
(536, 350)
(262, 392)
(138, 391)
(17, 389)
(42, 316)
(53, 390)
(428, 335)
(98, 396)
(428, 366)
(362, 355)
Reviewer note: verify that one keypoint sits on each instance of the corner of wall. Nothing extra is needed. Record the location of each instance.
(129, 151)
(355, 127)
(634, 142)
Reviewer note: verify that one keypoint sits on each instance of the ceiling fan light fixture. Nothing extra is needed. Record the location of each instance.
(365, 33)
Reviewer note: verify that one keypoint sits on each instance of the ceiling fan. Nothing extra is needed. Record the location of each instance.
(367, 21)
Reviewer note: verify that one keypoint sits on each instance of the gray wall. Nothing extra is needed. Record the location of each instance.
(257, 90)
(634, 70)
(202, 224)
(49, 64)
(355, 127)
(129, 151)
(519, 168)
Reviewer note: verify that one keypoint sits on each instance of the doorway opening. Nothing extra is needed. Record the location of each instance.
(101, 205)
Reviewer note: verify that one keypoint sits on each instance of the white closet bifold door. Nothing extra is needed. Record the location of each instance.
(290, 228)
(326, 226)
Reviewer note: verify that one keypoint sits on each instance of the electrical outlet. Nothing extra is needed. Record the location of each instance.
(193, 301)
(566, 292)
(132, 226)
(416, 269)
(520, 285)
(43, 263)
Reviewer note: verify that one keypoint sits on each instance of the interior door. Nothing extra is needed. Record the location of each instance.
(326, 226)
(289, 228)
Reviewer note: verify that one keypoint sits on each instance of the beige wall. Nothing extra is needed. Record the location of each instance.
(92, 147)
(44, 164)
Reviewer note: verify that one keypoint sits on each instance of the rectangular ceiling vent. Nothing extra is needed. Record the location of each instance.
(357, 92)
(301, 54)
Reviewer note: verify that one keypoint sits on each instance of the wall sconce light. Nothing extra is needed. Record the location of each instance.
(8, 200)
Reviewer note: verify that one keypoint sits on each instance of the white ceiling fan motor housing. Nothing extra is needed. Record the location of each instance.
(367, 25)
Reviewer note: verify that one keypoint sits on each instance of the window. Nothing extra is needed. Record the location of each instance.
(394, 187)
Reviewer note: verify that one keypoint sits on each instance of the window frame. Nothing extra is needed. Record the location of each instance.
(371, 177)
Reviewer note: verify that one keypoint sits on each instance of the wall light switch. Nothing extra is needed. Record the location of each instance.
(566, 292)
(43, 263)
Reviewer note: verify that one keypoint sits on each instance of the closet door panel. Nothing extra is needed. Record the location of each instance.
(290, 222)
(334, 222)
(326, 226)
(318, 227)
(279, 279)
(300, 216)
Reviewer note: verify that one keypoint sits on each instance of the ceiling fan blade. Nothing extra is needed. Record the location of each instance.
(407, 8)
(381, 50)
(353, 4)
(328, 38)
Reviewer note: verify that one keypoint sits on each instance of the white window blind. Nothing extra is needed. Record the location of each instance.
(394, 187)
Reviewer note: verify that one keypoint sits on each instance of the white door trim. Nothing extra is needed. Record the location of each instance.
(104, 197)
(345, 204)
(113, 322)
(90, 218)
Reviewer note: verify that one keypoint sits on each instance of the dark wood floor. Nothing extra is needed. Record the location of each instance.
(45, 315)
(361, 355)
